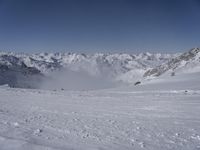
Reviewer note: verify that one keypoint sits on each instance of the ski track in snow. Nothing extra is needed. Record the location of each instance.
(99, 120)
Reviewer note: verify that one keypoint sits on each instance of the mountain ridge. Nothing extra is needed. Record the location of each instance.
(127, 68)
(184, 62)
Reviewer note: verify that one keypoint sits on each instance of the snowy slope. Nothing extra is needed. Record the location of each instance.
(150, 116)
(186, 62)
(160, 113)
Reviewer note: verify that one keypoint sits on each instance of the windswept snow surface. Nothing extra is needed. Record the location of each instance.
(148, 116)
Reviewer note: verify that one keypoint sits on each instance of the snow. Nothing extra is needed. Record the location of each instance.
(160, 113)
(186, 62)
(91, 102)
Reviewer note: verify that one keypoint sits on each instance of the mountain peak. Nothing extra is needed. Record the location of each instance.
(195, 50)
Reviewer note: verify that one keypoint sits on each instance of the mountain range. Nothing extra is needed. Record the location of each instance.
(27, 70)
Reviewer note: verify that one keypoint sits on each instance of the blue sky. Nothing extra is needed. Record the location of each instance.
(99, 25)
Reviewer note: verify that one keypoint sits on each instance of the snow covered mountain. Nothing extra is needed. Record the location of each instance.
(161, 113)
(20, 70)
(15, 73)
(119, 67)
(186, 62)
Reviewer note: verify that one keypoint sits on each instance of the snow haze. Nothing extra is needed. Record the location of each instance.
(76, 80)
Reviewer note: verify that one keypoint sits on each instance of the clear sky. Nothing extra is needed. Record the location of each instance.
(99, 25)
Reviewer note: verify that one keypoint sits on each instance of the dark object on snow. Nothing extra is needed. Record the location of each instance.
(62, 89)
(173, 74)
(137, 83)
